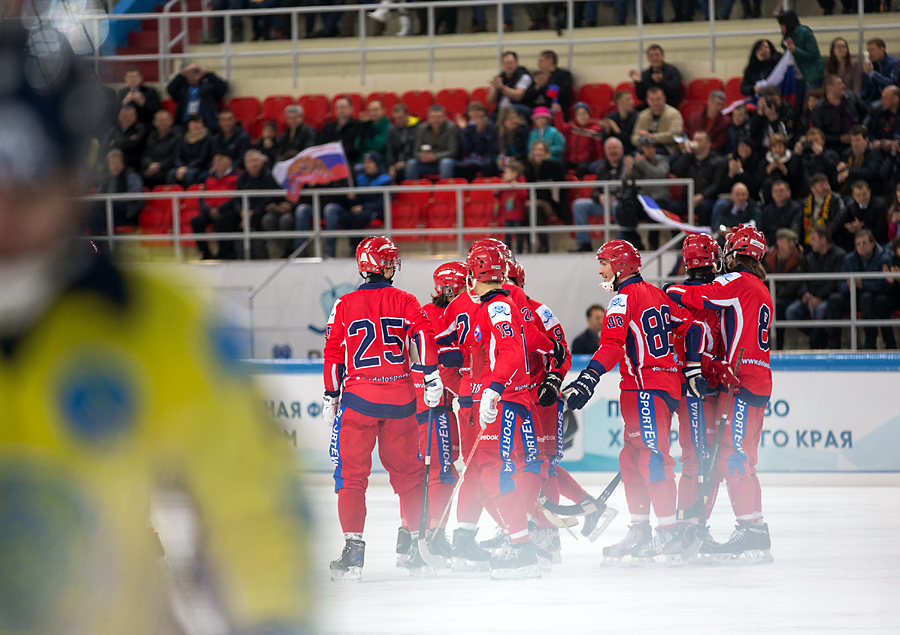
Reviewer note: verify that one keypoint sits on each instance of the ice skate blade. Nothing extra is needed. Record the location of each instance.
(616, 561)
(402, 559)
(531, 571)
(462, 565)
(701, 559)
(545, 564)
(353, 574)
(605, 519)
(746, 558)
(423, 572)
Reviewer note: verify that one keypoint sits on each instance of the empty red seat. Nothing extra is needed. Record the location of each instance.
(273, 108)
(246, 111)
(701, 87)
(418, 102)
(388, 98)
(483, 195)
(733, 89)
(454, 101)
(481, 94)
(356, 101)
(478, 213)
(156, 217)
(597, 97)
(441, 212)
(315, 110)
(407, 208)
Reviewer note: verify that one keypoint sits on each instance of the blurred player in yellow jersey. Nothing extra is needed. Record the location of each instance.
(111, 383)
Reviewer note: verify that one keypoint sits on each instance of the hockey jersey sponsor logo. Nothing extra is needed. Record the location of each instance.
(547, 317)
(499, 312)
(617, 305)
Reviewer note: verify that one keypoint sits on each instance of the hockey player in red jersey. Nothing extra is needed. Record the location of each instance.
(745, 307)
(637, 336)
(369, 396)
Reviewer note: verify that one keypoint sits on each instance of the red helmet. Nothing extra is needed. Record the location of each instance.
(623, 257)
(375, 253)
(746, 240)
(485, 264)
(450, 274)
(516, 273)
(699, 250)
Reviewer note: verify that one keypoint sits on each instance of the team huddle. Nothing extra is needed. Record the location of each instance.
(485, 384)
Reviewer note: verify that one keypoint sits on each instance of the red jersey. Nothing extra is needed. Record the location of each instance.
(367, 350)
(745, 311)
(450, 377)
(539, 364)
(454, 339)
(534, 338)
(498, 355)
(713, 337)
(640, 321)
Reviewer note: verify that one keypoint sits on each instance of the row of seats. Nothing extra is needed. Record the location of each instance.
(318, 109)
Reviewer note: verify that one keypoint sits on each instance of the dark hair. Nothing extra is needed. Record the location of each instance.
(895, 244)
(860, 130)
(400, 106)
(877, 41)
(818, 178)
(128, 106)
(705, 132)
(476, 105)
(823, 231)
(751, 264)
(864, 232)
(592, 308)
(271, 123)
(195, 118)
(859, 184)
(344, 98)
(513, 53)
(832, 64)
(754, 66)
(133, 69)
(655, 89)
(781, 182)
(226, 112)
(656, 47)
(789, 20)
(550, 55)
(771, 91)
(437, 108)
(830, 80)
(622, 93)
(816, 93)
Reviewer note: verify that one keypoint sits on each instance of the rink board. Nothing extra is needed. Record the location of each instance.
(828, 413)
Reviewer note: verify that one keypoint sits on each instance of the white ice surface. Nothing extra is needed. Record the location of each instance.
(836, 569)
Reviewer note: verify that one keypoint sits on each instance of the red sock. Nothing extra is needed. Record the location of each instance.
(568, 487)
(352, 510)
(638, 500)
(529, 485)
(512, 514)
(743, 495)
(471, 497)
(550, 489)
(757, 506)
(687, 491)
(438, 497)
(411, 506)
(663, 493)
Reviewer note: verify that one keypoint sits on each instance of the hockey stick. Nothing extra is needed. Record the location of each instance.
(705, 477)
(581, 510)
(460, 479)
(427, 556)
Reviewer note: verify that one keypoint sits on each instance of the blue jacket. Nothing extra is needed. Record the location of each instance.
(478, 146)
(884, 73)
(552, 137)
(852, 262)
(373, 203)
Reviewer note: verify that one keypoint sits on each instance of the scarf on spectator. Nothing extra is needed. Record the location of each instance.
(192, 138)
(808, 220)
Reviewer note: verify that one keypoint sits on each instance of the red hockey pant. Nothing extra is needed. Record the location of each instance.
(737, 457)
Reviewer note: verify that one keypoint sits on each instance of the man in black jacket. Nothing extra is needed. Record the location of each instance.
(659, 74)
(344, 129)
(782, 211)
(197, 92)
(401, 143)
(861, 162)
(837, 113)
(231, 140)
(297, 137)
(709, 171)
(267, 213)
(866, 211)
(551, 85)
(144, 98)
(159, 153)
(812, 299)
(508, 88)
(129, 136)
(589, 341)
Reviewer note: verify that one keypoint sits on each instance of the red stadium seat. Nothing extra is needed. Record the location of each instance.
(442, 211)
(315, 110)
(246, 111)
(418, 102)
(156, 217)
(454, 101)
(733, 90)
(629, 86)
(481, 94)
(483, 195)
(479, 213)
(407, 209)
(700, 88)
(273, 108)
(355, 99)
(598, 97)
(388, 98)
(170, 105)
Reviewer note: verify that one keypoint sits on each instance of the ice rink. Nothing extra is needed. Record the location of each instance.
(836, 569)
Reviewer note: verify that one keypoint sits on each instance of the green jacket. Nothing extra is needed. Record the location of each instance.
(806, 54)
(373, 137)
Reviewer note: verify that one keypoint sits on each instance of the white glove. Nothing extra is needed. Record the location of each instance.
(330, 408)
(434, 389)
(488, 412)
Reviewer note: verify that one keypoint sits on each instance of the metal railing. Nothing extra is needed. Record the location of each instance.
(171, 38)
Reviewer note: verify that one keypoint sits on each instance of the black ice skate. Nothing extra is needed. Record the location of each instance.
(515, 561)
(497, 542)
(665, 548)
(466, 554)
(439, 547)
(638, 537)
(596, 522)
(765, 543)
(741, 548)
(349, 566)
(417, 566)
(547, 540)
(708, 545)
(403, 543)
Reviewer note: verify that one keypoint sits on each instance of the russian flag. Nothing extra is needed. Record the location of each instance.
(663, 217)
(317, 165)
(783, 75)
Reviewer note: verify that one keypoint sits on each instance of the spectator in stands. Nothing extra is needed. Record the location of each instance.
(866, 211)
(478, 143)
(512, 204)
(512, 135)
(814, 295)
(551, 85)
(659, 75)
(801, 42)
(258, 176)
(620, 123)
(647, 164)
(815, 157)
(267, 144)
(893, 283)
(779, 164)
(197, 91)
(159, 153)
(837, 113)
(582, 138)
(538, 13)
(611, 168)
(373, 130)
(508, 88)
(882, 69)
(893, 214)
(768, 120)
(144, 98)
(297, 137)
(437, 146)
(541, 168)
(544, 131)
(588, 342)
(746, 166)
(344, 128)
(844, 65)
(709, 171)
(119, 179)
(861, 162)
(822, 208)
(129, 136)
(330, 19)
(711, 119)
(739, 129)
(872, 298)
(803, 122)
(734, 210)
(222, 212)
(763, 60)
(660, 121)
(884, 124)
(782, 211)
(401, 142)
(192, 154)
(750, 10)
(479, 18)
(231, 139)
(785, 257)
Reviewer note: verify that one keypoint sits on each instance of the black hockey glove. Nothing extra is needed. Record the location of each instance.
(580, 391)
(697, 385)
(548, 392)
(559, 353)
